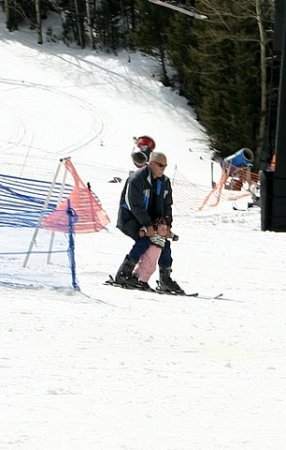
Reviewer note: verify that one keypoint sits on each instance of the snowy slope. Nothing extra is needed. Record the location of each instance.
(108, 369)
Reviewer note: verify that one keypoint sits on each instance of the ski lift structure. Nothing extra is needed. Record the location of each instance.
(176, 6)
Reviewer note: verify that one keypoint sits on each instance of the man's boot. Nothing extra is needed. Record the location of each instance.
(166, 282)
(124, 274)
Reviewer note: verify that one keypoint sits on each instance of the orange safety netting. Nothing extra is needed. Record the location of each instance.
(88, 214)
(213, 197)
(242, 175)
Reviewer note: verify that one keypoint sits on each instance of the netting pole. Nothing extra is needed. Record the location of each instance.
(71, 214)
(59, 201)
(212, 175)
(33, 240)
(174, 175)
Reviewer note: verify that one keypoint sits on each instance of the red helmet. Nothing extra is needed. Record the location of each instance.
(145, 141)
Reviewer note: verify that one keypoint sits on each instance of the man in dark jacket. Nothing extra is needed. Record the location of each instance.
(146, 196)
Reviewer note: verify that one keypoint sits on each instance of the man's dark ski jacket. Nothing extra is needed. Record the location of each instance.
(143, 200)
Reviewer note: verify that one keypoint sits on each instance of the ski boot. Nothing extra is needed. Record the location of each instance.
(166, 282)
(126, 278)
(124, 275)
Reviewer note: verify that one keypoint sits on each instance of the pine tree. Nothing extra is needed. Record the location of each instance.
(179, 40)
(150, 35)
(227, 57)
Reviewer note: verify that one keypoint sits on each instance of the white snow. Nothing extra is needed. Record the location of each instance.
(108, 369)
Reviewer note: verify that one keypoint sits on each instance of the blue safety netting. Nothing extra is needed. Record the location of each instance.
(22, 200)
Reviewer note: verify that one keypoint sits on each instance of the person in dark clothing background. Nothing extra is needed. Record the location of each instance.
(143, 146)
(146, 196)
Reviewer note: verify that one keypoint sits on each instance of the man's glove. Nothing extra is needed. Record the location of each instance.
(172, 235)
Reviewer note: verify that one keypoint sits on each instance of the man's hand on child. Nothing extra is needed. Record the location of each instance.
(147, 231)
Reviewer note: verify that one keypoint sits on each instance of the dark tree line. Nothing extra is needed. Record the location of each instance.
(224, 65)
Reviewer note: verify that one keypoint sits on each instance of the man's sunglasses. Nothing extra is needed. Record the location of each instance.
(163, 166)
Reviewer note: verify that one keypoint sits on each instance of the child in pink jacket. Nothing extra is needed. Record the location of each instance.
(146, 265)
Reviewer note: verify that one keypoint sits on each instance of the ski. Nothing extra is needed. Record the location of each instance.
(112, 282)
(192, 294)
(170, 292)
(159, 290)
(176, 293)
(212, 297)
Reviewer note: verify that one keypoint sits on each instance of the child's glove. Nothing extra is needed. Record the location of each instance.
(158, 240)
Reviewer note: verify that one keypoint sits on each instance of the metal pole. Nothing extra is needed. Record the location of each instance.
(60, 198)
(280, 170)
(71, 214)
(43, 209)
(273, 184)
